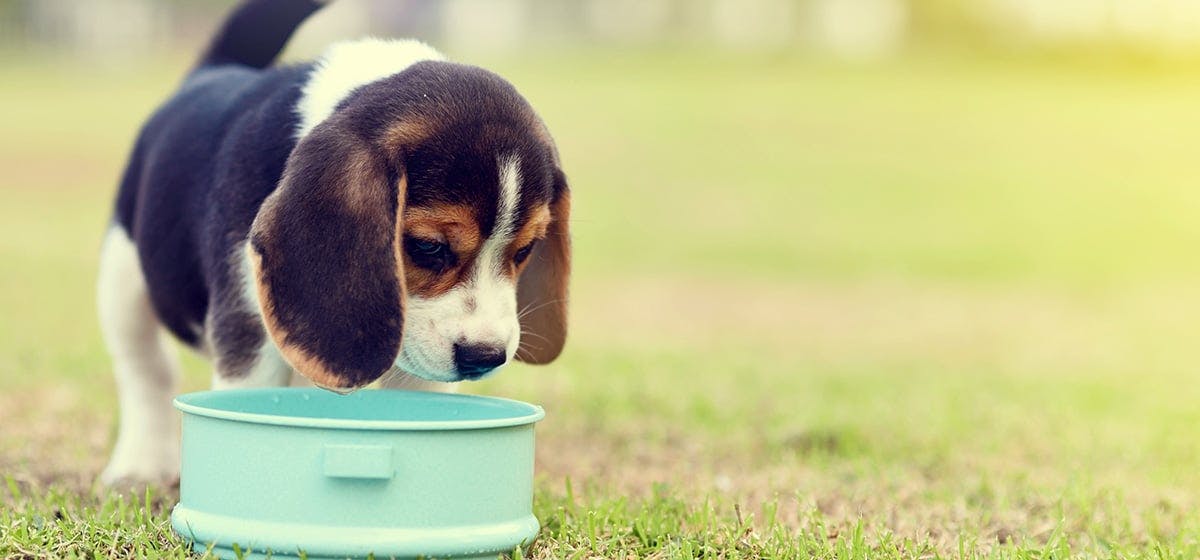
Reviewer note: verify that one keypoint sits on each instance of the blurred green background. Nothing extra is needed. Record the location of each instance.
(927, 265)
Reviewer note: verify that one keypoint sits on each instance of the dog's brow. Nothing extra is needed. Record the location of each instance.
(456, 222)
(536, 226)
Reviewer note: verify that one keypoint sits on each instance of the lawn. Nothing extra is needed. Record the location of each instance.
(941, 306)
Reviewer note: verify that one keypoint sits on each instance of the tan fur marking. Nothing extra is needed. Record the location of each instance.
(312, 367)
(535, 228)
(428, 284)
(360, 195)
(405, 133)
(452, 223)
(398, 242)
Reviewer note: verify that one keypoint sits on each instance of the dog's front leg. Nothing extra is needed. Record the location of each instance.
(268, 369)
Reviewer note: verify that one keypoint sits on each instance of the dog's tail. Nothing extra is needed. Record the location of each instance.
(256, 31)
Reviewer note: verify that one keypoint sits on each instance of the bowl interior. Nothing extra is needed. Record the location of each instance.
(365, 409)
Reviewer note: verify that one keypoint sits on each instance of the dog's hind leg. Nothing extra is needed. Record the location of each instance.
(145, 366)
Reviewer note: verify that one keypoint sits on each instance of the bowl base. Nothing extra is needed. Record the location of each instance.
(229, 554)
(259, 540)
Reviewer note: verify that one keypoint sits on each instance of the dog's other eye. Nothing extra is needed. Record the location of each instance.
(523, 253)
(429, 254)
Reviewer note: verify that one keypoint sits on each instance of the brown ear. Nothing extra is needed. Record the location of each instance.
(325, 255)
(542, 288)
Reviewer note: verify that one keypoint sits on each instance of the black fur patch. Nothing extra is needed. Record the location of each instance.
(201, 167)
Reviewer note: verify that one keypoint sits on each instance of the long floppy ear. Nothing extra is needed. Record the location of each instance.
(542, 288)
(324, 252)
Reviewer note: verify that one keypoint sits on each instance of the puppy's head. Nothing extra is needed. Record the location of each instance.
(422, 225)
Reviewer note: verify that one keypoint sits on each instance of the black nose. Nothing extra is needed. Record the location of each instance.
(473, 361)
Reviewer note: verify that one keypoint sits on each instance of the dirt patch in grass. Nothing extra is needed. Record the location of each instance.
(51, 435)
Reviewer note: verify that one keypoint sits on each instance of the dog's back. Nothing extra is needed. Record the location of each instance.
(185, 186)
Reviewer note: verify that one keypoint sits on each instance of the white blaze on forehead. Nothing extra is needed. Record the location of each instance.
(492, 253)
(349, 65)
(510, 179)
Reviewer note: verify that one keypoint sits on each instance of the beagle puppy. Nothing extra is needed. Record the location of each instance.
(378, 211)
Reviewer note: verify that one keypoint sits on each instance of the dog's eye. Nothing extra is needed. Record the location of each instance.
(432, 255)
(426, 247)
(523, 253)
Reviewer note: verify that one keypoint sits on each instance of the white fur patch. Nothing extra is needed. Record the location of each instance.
(396, 379)
(349, 65)
(510, 189)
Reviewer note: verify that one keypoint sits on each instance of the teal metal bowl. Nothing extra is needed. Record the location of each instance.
(396, 474)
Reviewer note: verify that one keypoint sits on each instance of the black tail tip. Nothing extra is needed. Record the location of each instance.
(256, 31)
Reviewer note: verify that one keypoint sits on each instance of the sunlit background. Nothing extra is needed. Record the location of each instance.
(927, 265)
(856, 29)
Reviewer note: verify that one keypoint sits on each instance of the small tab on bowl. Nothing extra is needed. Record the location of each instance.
(372, 462)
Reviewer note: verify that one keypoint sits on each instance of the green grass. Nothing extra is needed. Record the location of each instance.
(64, 524)
(934, 307)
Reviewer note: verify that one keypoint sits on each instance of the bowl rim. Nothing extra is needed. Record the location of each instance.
(535, 412)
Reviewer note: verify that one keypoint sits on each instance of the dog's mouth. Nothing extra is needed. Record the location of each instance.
(339, 390)
(415, 363)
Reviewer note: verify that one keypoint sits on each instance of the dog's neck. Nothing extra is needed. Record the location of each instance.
(349, 65)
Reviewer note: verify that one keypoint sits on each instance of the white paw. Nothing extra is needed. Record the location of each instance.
(128, 470)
